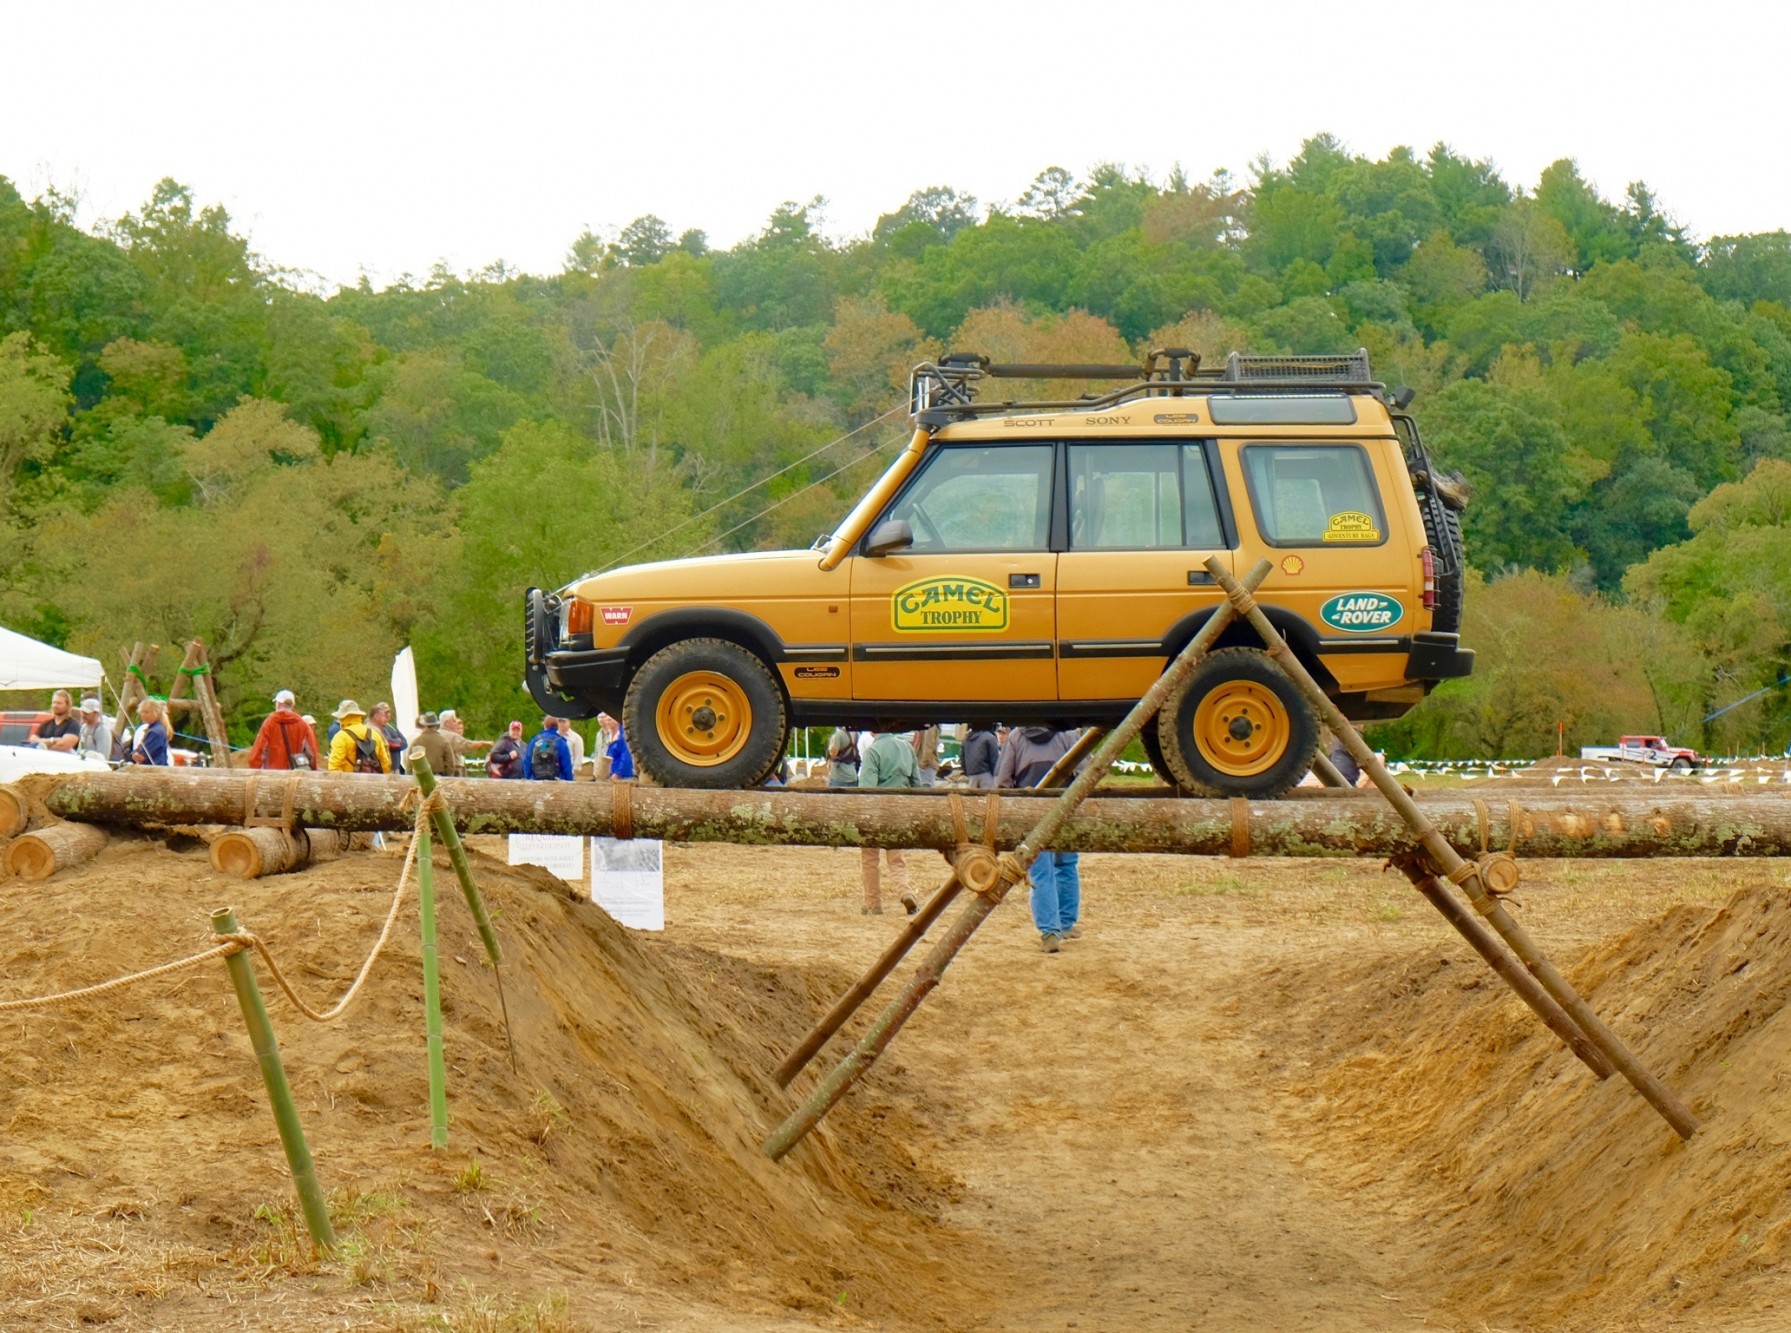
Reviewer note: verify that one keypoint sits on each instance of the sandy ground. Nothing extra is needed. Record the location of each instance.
(1262, 1095)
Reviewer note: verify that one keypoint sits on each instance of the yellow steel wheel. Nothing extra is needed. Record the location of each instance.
(1242, 728)
(703, 718)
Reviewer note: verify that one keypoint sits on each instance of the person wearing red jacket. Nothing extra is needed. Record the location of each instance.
(285, 739)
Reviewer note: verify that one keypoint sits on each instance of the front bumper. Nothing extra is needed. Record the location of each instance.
(1438, 657)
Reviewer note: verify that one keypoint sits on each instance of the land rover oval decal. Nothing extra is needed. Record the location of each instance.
(1361, 612)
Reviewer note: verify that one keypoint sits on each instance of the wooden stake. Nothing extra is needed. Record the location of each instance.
(40, 854)
(135, 672)
(1446, 860)
(279, 1091)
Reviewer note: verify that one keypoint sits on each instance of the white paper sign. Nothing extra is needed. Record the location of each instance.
(628, 880)
(563, 855)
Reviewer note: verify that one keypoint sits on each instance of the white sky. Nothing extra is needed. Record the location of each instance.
(383, 137)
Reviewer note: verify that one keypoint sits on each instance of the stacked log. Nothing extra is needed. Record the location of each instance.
(15, 812)
(251, 853)
(41, 853)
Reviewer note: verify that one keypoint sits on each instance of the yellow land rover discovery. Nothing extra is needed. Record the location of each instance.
(1041, 562)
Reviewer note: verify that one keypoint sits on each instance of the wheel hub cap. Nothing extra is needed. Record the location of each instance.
(1241, 728)
(703, 718)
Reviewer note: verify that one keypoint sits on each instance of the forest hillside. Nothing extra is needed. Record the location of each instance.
(196, 441)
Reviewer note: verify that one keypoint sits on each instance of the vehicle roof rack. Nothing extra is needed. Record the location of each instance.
(946, 390)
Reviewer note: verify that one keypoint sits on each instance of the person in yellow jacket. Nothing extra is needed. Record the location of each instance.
(357, 747)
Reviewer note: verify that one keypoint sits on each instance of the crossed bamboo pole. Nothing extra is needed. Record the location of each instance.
(1012, 868)
(1439, 858)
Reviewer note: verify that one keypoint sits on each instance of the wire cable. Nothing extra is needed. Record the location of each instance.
(747, 490)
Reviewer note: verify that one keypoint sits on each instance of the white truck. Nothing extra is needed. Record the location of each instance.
(1651, 750)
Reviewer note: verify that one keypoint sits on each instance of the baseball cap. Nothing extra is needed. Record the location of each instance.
(284, 697)
(91, 705)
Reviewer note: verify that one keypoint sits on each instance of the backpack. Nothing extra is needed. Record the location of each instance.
(366, 752)
(544, 757)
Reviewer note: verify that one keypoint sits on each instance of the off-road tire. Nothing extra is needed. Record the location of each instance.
(1681, 764)
(1153, 751)
(697, 681)
(1237, 727)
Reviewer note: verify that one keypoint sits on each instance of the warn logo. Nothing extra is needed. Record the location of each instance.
(615, 615)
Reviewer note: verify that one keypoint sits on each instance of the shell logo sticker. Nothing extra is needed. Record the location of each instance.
(947, 604)
(1361, 612)
(1292, 565)
(616, 615)
(1351, 525)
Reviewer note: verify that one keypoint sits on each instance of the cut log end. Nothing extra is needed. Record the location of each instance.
(253, 852)
(37, 856)
(15, 814)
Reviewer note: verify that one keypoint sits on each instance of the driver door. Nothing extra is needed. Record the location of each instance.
(968, 612)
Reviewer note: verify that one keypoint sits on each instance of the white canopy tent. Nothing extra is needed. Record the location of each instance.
(26, 664)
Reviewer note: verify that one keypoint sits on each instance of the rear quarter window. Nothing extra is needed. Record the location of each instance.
(1314, 495)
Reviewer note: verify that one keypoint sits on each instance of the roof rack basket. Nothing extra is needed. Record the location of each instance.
(1353, 369)
(946, 390)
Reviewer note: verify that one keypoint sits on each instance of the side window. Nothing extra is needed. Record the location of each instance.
(1141, 497)
(1314, 495)
(981, 498)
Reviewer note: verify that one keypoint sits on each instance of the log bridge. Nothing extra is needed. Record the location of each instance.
(1314, 822)
(1451, 846)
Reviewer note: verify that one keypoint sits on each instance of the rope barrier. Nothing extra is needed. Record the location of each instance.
(227, 945)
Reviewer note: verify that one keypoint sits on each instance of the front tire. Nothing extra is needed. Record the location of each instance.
(1238, 727)
(706, 713)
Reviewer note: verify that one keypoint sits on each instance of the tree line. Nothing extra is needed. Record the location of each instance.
(196, 441)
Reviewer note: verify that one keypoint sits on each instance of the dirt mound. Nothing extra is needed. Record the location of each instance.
(614, 1173)
(1551, 1199)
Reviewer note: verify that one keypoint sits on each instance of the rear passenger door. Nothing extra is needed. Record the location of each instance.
(1143, 517)
(1317, 509)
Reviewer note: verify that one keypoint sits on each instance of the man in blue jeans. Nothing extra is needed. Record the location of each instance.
(1028, 755)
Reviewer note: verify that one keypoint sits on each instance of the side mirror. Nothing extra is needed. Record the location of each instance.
(891, 535)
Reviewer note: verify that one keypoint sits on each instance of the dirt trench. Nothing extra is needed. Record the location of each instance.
(1259, 1095)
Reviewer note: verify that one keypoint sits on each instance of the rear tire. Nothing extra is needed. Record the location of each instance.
(706, 713)
(1238, 727)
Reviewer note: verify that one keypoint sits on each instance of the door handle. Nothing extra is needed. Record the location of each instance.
(1022, 580)
(1199, 578)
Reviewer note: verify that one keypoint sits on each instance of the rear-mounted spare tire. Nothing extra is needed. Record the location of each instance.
(706, 713)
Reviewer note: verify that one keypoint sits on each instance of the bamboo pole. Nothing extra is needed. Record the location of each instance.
(432, 995)
(450, 838)
(1085, 743)
(1445, 859)
(443, 821)
(843, 1008)
(1670, 820)
(279, 1091)
(1328, 774)
(1499, 958)
(41, 853)
(1042, 836)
